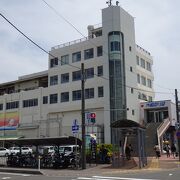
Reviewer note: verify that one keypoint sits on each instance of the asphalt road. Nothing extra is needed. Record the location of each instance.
(141, 175)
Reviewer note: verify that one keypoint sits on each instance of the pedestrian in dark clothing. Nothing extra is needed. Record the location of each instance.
(157, 151)
(128, 151)
(167, 149)
(173, 150)
(103, 154)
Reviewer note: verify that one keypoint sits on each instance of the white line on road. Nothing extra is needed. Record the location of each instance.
(123, 178)
(6, 178)
(16, 174)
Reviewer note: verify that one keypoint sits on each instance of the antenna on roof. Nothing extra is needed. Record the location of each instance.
(109, 2)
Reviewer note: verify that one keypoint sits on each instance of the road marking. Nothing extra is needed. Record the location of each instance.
(6, 178)
(16, 174)
(110, 178)
(123, 178)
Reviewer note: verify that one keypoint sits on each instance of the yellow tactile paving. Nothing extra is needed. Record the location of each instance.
(154, 163)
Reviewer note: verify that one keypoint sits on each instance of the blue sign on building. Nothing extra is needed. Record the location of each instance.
(156, 104)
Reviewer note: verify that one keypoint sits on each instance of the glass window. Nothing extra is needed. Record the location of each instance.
(12, 105)
(138, 78)
(137, 60)
(149, 83)
(64, 96)
(89, 73)
(143, 80)
(131, 69)
(53, 80)
(76, 56)
(88, 53)
(89, 93)
(76, 75)
(30, 103)
(99, 51)
(76, 95)
(143, 63)
(53, 62)
(53, 98)
(45, 99)
(148, 66)
(100, 91)
(150, 98)
(133, 112)
(1, 107)
(100, 70)
(132, 90)
(65, 78)
(115, 46)
(64, 60)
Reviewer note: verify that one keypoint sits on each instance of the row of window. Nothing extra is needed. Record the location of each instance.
(76, 75)
(142, 80)
(53, 98)
(76, 95)
(144, 64)
(88, 54)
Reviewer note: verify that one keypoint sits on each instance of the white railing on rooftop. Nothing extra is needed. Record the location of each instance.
(70, 43)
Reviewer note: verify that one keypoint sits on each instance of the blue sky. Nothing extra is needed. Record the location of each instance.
(157, 28)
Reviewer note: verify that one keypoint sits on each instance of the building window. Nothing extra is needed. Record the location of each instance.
(143, 65)
(100, 70)
(76, 56)
(65, 97)
(89, 93)
(76, 75)
(89, 73)
(1, 107)
(150, 98)
(143, 97)
(148, 66)
(115, 46)
(65, 78)
(99, 51)
(76, 95)
(88, 53)
(64, 60)
(139, 95)
(12, 105)
(132, 90)
(130, 48)
(137, 60)
(53, 62)
(30, 103)
(45, 99)
(131, 69)
(53, 80)
(143, 80)
(133, 112)
(149, 83)
(53, 98)
(138, 78)
(100, 91)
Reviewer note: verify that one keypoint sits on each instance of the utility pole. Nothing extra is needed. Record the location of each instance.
(177, 115)
(83, 118)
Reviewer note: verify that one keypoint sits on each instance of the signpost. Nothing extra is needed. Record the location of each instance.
(75, 127)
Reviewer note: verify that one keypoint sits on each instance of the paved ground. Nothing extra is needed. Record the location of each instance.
(163, 163)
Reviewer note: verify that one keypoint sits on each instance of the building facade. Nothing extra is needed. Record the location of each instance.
(45, 104)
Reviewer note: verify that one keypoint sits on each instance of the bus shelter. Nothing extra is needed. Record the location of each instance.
(127, 132)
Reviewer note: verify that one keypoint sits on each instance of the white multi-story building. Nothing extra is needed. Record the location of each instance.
(46, 103)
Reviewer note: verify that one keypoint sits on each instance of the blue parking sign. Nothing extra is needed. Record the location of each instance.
(75, 126)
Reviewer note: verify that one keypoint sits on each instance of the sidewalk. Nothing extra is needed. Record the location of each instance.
(163, 163)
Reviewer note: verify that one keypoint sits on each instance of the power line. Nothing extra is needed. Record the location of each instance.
(31, 39)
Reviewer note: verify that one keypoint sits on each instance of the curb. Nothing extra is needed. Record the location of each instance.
(24, 171)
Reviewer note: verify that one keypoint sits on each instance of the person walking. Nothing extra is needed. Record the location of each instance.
(157, 151)
(173, 150)
(167, 149)
(128, 151)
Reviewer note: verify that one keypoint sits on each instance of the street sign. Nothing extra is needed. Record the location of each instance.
(178, 134)
(75, 126)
